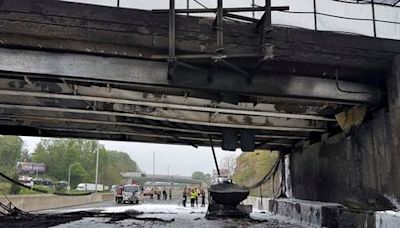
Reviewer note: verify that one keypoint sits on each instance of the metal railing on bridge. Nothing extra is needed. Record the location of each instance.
(377, 18)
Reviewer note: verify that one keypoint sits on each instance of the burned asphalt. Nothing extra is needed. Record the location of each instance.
(147, 214)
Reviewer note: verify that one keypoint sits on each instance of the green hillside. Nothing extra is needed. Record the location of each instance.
(252, 167)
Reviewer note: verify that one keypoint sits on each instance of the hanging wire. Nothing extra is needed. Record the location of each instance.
(350, 91)
(369, 2)
(268, 176)
(201, 4)
(344, 17)
(341, 17)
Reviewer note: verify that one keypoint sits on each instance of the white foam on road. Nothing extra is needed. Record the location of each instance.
(142, 208)
(154, 209)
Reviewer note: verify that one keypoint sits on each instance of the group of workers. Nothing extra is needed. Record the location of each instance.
(158, 193)
(193, 194)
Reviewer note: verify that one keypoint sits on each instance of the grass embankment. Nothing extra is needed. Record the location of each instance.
(5, 187)
(252, 167)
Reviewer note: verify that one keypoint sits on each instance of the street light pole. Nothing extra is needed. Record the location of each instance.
(97, 166)
(154, 160)
(69, 177)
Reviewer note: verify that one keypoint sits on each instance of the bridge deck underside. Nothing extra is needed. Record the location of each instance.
(75, 70)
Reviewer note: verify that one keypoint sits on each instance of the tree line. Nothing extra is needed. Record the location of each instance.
(60, 155)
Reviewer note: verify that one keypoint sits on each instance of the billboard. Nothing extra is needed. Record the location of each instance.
(30, 167)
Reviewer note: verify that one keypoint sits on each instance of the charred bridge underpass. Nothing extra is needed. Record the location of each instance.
(328, 101)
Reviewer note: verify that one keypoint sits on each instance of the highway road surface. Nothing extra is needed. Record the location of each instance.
(158, 213)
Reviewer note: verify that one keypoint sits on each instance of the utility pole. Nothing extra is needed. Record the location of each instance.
(252, 6)
(154, 161)
(187, 6)
(315, 15)
(69, 177)
(373, 16)
(97, 166)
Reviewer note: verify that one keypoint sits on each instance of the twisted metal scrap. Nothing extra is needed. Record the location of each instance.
(10, 209)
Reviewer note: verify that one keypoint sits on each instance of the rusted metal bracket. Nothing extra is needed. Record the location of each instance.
(192, 67)
(171, 68)
(240, 17)
(264, 26)
(233, 67)
(171, 39)
(220, 27)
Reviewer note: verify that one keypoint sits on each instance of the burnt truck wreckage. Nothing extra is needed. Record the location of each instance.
(226, 196)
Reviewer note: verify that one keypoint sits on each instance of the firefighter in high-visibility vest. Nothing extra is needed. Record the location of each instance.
(193, 196)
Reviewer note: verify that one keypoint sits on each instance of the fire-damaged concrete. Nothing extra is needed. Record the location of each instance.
(325, 214)
(354, 170)
(359, 169)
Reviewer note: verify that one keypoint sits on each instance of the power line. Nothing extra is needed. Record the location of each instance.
(201, 4)
(341, 17)
(364, 2)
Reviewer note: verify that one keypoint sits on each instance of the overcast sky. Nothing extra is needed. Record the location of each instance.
(184, 159)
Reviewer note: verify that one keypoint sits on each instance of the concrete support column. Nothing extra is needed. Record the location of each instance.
(393, 88)
(287, 177)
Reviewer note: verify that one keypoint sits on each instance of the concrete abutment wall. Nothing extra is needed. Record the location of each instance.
(360, 169)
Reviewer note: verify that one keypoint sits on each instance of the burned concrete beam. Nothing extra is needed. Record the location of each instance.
(52, 90)
(131, 71)
(221, 121)
(129, 124)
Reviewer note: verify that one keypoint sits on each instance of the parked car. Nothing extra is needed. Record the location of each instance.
(61, 186)
(26, 180)
(42, 181)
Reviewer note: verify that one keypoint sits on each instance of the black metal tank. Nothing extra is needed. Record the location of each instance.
(227, 193)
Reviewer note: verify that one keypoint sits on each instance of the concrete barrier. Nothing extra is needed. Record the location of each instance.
(304, 212)
(49, 201)
(258, 203)
(325, 214)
